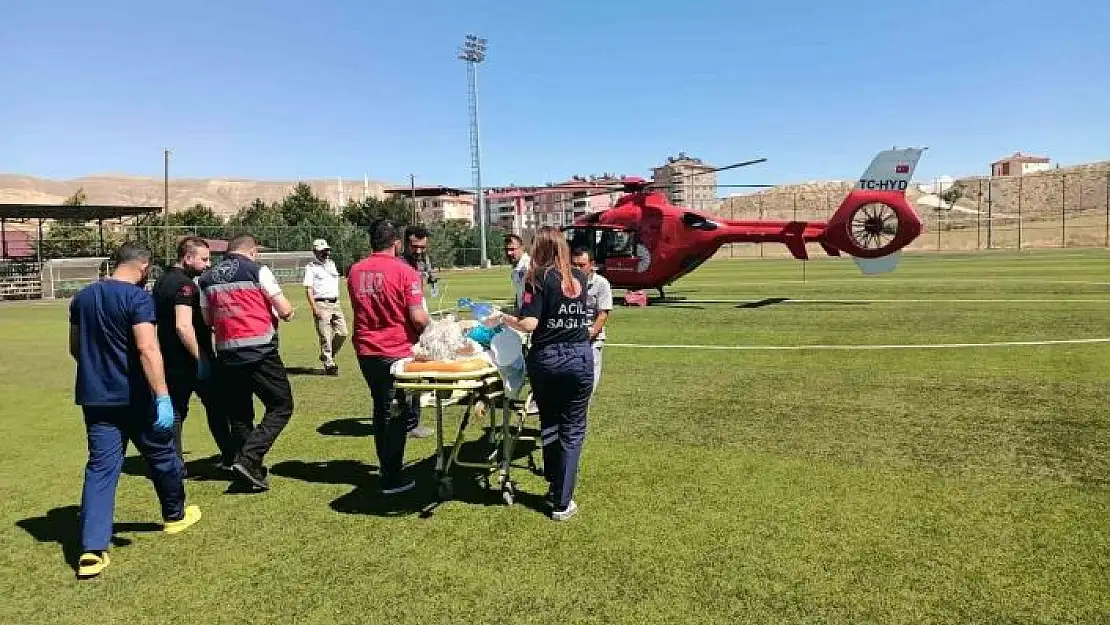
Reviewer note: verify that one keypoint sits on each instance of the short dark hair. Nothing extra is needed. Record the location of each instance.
(578, 251)
(383, 234)
(188, 245)
(417, 231)
(242, 241)
(130, 252)
(510, 238)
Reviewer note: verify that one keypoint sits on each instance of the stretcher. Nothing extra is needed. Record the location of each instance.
(481, 392)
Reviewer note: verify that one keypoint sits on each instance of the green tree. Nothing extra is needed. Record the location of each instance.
(67, 238)
(363, 212)
(199, 220)
(952, 194)
(154, 231)
(264, 221)
(79, 198)
(298, 219)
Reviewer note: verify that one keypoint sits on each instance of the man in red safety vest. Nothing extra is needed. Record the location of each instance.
(242, 302)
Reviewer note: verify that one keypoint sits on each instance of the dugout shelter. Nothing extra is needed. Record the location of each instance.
(26, 268)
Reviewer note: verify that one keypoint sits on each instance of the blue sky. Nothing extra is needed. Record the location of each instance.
(278, 90)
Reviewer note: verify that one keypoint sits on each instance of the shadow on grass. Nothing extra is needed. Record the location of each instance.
(468, 485)
(201, 469)
(306, 371)
(61, 525)
(348, 426)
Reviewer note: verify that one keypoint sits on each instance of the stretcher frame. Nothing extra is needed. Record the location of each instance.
(484, 393)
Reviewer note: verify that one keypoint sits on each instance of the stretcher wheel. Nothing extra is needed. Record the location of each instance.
(445, 488)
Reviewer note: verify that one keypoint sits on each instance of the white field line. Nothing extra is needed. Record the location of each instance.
(817, 282)
(860, 347)
(791, 300)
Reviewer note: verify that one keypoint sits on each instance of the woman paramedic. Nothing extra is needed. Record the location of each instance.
(559, 362)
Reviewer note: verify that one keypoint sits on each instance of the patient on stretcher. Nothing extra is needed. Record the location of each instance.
(445, 346)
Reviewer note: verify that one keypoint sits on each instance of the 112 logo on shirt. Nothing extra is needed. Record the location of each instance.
(371, 283)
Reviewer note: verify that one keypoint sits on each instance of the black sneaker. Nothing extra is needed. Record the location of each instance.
(257, 477)
(331, 369)
(397, 485)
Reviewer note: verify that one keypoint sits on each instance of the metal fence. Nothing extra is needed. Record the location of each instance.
(349, 243)
(1056, 208)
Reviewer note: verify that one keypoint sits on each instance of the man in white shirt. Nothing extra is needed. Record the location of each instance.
(321, 283)
(599, 304)
(514, 249)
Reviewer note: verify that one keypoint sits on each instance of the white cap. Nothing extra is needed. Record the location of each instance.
(320, 244)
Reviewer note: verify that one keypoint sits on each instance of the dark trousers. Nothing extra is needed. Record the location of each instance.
(390, 426)
(238, 385)
(181, 378)
(562, 378)
(108, 430)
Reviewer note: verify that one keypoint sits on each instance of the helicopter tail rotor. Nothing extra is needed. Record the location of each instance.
(875, 220)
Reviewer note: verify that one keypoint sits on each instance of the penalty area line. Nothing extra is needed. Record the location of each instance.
(862, 347)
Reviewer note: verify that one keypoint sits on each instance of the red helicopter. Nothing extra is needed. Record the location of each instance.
(645, 242)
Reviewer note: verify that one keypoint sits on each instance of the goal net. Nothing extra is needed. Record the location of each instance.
(287, 266)
(64, 277)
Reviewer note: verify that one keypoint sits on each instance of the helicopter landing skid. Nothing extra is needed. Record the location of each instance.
(636, 297)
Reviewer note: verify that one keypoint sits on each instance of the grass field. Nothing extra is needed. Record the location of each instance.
(953, 485)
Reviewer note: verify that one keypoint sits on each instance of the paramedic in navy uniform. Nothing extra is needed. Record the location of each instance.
(560, 361)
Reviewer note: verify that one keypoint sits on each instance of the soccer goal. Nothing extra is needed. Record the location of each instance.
(287, 266)
(64, 277)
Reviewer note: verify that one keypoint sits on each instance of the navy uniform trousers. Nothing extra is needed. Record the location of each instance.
(390, 426)
(562, 378)
(109, 429)
(181, 379)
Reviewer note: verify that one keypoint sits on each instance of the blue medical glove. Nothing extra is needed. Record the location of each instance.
(204, 368)
(164, 409)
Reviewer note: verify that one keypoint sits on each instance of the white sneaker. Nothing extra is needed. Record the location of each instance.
(571, 510)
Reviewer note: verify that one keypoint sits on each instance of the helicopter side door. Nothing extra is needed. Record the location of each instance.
(579, 238)
(616, 252)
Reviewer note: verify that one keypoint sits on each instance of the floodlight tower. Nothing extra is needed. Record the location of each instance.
(473, 52)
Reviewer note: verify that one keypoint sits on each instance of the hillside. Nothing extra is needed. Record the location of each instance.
(224, 195)
(1074, 190)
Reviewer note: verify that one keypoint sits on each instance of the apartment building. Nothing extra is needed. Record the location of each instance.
(687, 181)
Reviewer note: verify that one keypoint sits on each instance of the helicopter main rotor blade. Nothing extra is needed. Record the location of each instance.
(734, 166)
(665, 185)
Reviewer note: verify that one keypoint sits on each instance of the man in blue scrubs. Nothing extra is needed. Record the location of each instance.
(121, 388)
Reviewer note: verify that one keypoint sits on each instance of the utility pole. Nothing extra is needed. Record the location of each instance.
(412, 191)
(473, 52)
(166, 207)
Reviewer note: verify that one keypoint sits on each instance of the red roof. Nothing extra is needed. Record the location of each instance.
(17, 244)
(1018, 157)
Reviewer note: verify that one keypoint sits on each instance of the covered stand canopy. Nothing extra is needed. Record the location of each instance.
(82, 213)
